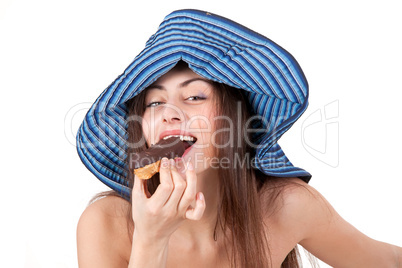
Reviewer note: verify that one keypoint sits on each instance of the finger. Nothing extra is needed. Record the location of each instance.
(179, 186)
(180, 165)
(138, 187)
(165, 188)
(189, 195)
(196, 213)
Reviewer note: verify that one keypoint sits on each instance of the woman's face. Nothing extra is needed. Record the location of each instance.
(182, 103)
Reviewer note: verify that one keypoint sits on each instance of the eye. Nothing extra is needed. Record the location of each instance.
(191, 98)
(196, 98)
(154, 104)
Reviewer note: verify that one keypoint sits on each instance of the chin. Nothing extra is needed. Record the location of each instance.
(200, 160)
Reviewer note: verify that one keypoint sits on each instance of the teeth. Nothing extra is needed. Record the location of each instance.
(183, 138)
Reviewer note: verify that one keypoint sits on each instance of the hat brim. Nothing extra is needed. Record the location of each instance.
(219, 50)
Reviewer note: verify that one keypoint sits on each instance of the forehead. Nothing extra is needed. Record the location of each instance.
(176, 75)
(180, 78)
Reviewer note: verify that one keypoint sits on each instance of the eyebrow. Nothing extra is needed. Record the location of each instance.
(181, 85)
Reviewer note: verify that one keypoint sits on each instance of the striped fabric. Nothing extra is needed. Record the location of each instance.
(217, 49)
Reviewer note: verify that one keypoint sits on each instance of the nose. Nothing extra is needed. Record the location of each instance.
(172, 114)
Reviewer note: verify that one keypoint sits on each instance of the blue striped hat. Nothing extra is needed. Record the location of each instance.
(218, 49)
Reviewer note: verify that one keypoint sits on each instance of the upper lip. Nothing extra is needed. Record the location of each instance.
(175, 132)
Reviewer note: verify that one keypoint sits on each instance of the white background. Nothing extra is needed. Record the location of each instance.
(57, 56)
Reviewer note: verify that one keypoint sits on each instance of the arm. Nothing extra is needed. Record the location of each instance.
(102, 239)
(98, 227)
(324, 233)
(145, 253)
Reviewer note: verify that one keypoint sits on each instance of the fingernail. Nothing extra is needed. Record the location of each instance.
(172, 163)
(165, 162)
(200, 196)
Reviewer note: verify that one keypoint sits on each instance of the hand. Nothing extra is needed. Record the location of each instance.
(159, 215)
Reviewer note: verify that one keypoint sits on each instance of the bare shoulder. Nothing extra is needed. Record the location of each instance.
(102, 234)
(110, 207)
(297, 207)
(287, 191)
(298, 195)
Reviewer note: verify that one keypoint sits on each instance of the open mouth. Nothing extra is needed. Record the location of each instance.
(188, 141)
(188, 144)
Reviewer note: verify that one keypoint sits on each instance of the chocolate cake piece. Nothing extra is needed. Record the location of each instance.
(146, 163)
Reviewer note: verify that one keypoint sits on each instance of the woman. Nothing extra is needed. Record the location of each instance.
(233, 199)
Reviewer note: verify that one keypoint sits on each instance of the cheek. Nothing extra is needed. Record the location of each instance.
(146, 127)
(204, 128)
(150, 126)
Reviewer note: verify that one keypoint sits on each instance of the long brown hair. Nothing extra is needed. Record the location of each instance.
(241, 185)
(240, 210)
